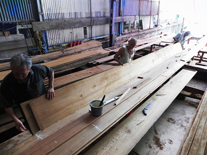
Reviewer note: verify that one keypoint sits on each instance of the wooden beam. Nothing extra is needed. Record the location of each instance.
(69, 61)
(136, 125)
(91, 45)
(16, 140)
(69, 23)
(187, 142)
(74, 23)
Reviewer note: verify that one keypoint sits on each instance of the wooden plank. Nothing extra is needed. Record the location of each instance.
(10, 143)
(68, 61)
(12, 45)
(91, 45)
(100, 84)
(185, 147)
(73, 23)
(17, 149)
(69, 23)
(136, 125)
(126, 36)
(203, 141)
(122, 96)
(8, 126)
(102, 60)
(194, 149)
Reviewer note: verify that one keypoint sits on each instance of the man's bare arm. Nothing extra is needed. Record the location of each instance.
(18, 123)
(50, 90)
(119, 53)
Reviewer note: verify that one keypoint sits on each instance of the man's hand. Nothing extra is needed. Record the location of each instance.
(50, 93)
(120, 63)
(19, 125)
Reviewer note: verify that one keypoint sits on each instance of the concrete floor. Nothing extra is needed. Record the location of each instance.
(166, 135)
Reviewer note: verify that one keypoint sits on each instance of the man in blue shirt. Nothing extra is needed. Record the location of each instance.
(182, 38)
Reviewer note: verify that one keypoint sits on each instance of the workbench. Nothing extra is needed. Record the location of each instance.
(70, 128)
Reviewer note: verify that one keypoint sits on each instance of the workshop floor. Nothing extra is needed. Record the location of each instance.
(167, 133)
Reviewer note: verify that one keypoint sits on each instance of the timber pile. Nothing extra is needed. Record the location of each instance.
(73, 61)
(69, 62)
(134, 127)
(92, 45)
(67, 79)
(67, 114)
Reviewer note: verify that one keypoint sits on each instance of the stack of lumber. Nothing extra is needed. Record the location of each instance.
(70, 128)
(134, 127)
(92, 45)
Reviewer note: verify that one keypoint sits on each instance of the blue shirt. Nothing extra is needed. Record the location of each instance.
(180, 38)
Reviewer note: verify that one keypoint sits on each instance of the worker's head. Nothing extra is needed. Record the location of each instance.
(20, 65)
(187, 33)
(132, 43)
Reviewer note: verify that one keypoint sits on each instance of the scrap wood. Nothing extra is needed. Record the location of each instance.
(124, 94)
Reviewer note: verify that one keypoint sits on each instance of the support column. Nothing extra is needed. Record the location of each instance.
(112, 18)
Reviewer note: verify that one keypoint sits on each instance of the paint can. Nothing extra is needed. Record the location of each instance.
(96, 110)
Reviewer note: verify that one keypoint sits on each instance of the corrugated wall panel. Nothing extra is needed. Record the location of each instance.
(130, 7)
(63, 9)
(17, 10)
(145, 7)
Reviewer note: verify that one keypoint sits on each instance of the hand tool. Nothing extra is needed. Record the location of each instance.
(146, 108)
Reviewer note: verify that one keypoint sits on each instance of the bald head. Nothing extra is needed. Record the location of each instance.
(132, 43)
(133, 40)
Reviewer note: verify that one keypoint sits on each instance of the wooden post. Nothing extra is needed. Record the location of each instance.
(111, 24)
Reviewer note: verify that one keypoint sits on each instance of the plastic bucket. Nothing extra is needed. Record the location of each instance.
(95, 109)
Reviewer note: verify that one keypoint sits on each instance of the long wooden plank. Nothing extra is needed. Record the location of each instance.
(75, 96)
(91, 45)
(185, 146)
(131, 130)
(203, 142)
(15, 141)
(200, 129)
(68, 61)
